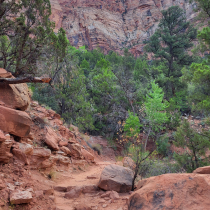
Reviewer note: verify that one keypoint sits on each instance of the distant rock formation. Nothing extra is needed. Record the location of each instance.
(112, 24)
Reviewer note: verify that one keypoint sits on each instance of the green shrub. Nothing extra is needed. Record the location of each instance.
(163, 146)
(195, 145)
(159, 167)
(119, 158)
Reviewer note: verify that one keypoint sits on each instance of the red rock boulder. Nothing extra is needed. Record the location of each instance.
(52, 139)
(15, 96)
(39, 156)
(20, 197)
(14, 122)
(202, 170)
(23, 152)
(116, 178)
(87, 155)
(65, 150)
(75, 150)
(172, 191)
(66, 133)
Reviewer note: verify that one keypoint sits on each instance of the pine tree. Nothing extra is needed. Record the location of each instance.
(27, 36)
(169, 45)
(195, 145)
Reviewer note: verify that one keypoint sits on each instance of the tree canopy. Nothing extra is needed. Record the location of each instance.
(169, 45)
(27, 37)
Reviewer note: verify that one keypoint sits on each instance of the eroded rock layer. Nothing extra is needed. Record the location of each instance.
(112, 24)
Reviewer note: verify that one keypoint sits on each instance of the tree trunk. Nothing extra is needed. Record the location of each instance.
(145, 146)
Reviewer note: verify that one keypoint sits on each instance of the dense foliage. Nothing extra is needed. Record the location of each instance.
(27, 37)
(132, 100)
(195, 145)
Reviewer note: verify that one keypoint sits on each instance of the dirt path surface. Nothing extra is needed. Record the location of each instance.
(88, 175)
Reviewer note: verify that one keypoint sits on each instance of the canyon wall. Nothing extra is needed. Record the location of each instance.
(112, 24)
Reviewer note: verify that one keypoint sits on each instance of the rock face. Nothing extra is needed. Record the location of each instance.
(172, 191)
(14, 96)
(111, 24)
(116, 178)
(14, 122)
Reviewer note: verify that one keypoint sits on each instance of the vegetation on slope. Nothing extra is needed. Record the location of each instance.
(109, 94)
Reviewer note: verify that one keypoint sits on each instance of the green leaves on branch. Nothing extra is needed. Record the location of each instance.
(132, 125)
(155, 108)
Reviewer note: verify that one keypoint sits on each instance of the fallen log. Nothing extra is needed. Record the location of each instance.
(7, 81)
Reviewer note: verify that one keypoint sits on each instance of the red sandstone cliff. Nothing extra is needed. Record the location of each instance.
(112, 24)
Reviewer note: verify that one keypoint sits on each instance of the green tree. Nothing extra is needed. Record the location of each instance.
(198, 75)
(198, 78)
(27, 36)
(195, 145)
(155, 112)
(169, 45)
(69, 96)
(132, 128)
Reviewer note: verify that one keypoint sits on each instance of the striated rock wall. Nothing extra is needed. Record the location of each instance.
(112, 24)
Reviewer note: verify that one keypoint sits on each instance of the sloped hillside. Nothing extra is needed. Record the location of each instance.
(34, 145)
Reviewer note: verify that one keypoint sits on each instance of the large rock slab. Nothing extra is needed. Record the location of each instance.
(202, 170)
(172, 191)
(20, 197)
(14, 122)
(15, 96)
(116, 178)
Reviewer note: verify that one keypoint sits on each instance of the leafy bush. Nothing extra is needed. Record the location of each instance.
(159, 167)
